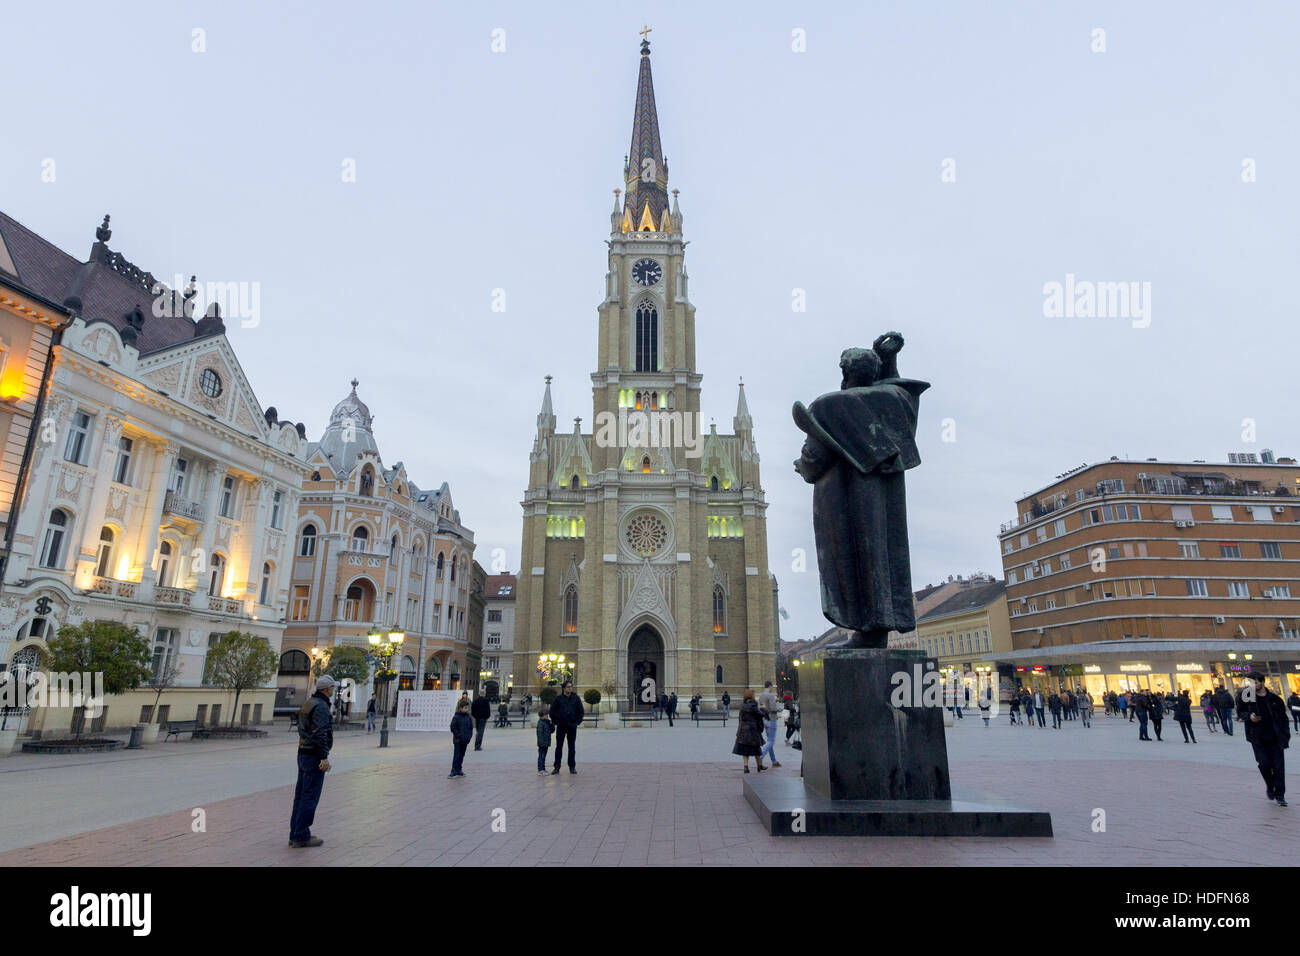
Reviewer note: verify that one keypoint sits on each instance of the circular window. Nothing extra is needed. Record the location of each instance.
(646, 534)
(210, 382)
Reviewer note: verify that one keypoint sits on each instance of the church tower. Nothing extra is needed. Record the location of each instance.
(644, 558)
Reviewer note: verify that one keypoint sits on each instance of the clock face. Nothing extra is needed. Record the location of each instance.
(647, 272)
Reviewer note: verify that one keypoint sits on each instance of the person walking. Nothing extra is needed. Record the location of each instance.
(370, 715)
(771, 708)
(1183, 714)
(1054, 705)
(462, 731)
(749, 732)
(315, 741)
(791, 719)
(1138, 705)
(1156, 706)
(480, 710)
(1123, 705)
(1293, 704)
(672, 707)
(1085, 708)
(1268, 731)
(1040, 708)
(543, 737)
(1014, 709)
(567, 714)
(1027, 699)
(695, 706)
(1223, 704)
(726, 703)
(986, 704)
(1211, 717)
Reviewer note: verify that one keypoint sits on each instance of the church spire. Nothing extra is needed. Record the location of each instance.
(546, 417)
(645, 170)
(742, 421)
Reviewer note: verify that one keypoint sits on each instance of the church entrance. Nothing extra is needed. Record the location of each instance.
(645, 666)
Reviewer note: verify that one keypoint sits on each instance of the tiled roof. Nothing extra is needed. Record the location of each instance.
(496, 582)
(645, 145)
(971, 598)
(109, 287)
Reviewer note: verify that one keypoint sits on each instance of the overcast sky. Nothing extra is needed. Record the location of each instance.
(820, 170)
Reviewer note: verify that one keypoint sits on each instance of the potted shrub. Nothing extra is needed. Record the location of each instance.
(159, 683)
(591, 697)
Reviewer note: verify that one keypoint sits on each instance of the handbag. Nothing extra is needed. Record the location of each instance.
(796, 743)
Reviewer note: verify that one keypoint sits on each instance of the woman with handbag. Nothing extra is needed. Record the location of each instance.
(749, 732)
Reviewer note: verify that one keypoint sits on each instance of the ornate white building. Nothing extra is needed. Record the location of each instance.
(158, 492)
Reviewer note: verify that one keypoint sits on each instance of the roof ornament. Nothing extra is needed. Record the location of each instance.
(102, 232)
(355, 383)
(645, 43)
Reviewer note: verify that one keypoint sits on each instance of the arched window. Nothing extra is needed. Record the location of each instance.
(52, 550)
(218, 575)
(645, 465)
(264, 596)
(295, 662)
(36, 627)
(719, 610)
(453, 570)
(574, 483)
(647, 339)
(440, 564)
(717, 674)
(571, 609)
(654, 401)
(352, 603)
(638, 401)
(713, 483)
(392, 549)
(367, 481)
(164, 564)
(105, 560)
(360, 538)
(307, 543)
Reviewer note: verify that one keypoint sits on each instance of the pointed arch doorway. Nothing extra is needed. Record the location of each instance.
(645, 663)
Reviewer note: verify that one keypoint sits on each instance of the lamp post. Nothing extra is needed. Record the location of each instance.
(384, 647)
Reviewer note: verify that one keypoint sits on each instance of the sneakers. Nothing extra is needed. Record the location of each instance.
(542, 773)
(776, 763)
(455, 774)
(1281, 801)
(555, 772)
(310, 841)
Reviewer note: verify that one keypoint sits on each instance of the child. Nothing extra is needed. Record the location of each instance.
(986, 705)
(544, 728)
(462, 729)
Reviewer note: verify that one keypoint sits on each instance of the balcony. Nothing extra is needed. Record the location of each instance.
(174, 504)
(223, 605)
(122, 589)
(178, 597)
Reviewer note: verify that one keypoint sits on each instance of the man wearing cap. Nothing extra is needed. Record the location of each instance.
(1268, 730)
(315, 739)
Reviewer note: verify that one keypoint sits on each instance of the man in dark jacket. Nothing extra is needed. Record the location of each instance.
(462, 729)
(566, 713)
(1293, 705)
(315, 740)
(1268, 729)
(726, 702)
(672, 707)
(480, 710)
(1140, 704)
(1223, 706)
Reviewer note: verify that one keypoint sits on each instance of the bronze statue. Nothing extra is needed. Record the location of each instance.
(860, 441)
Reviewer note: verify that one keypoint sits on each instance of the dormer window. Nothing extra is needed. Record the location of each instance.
(367, 481)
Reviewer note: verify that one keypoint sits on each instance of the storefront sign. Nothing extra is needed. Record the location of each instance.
(1092, 668)
(1134, 668)
(1191, 668)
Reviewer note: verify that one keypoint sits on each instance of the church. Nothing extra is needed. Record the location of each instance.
(674, 593)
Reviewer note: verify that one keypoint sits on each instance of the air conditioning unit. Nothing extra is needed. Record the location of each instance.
(1142, 476)
(1180, 524)
(1219, 620)
(1190, 524)
(1279, 510)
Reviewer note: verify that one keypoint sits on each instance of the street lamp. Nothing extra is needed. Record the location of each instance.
(384, 648)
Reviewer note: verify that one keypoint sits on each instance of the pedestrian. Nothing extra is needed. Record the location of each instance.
(480, 710)
(544, 729)
(791, 719)
(695, 706)
(370, 715)
(567, 713)
(1142, 710)
(986, 705)
(1293, 703)
(672, 707)
(1183, 714)
(1028, 701)
(771, 708)
(462, 731)
(726, 703)
(1040, 708)
(1223, 704)
(1268, 731)
(1071, 705)
(1085, 708)
(1211, 717)
(1013, 711)
(315, 740)
(503, 714)
(1156, 706)
(1055, 704)
(1123, 705)
(749, 732)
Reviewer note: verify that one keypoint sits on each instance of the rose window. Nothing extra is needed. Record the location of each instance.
(646, 534)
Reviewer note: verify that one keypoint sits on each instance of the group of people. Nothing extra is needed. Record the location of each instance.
(758, 715)
(1067, 704)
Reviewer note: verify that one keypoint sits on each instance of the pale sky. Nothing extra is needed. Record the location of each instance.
(818, 170)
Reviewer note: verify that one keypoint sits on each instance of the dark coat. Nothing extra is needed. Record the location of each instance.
(543, 732)
(315, 728)
(1182, 708)
(1054, 703)
(462, 727)
(1139, 702)
(567, 711)
(1222, 699)
(1271, 709)
(480, 709)
(749, 731)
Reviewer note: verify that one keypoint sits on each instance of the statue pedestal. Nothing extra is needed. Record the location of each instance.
(875, 760)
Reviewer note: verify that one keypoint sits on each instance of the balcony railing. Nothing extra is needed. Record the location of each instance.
(122, 589)
(225, 605)
(176, 596)
(174, 504)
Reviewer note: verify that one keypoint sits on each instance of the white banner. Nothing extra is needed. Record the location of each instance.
(426, 709)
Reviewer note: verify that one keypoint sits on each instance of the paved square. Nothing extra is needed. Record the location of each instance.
(642, 796)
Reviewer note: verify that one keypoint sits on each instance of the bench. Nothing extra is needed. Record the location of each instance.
(593, 719)
(720, 715)
(177, 727)
(637, 715)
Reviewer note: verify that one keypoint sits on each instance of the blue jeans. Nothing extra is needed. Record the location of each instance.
(541, 759)
(311, 780)
(1142, 725)
(1225, 718)
(770, 749)
(370, 720)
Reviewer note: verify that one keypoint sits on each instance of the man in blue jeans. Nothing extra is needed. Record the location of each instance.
(315, 740)
(771, 709)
